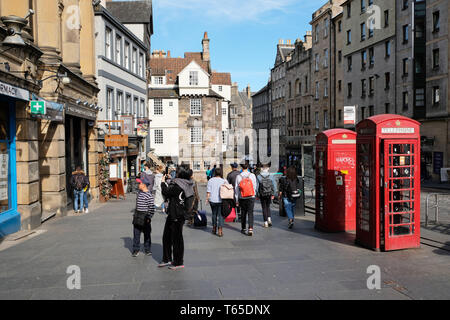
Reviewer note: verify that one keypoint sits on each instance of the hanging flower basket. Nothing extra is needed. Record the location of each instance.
(104, 184)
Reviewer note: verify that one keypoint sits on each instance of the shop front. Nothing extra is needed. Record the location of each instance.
(10, 220)
(78, 122)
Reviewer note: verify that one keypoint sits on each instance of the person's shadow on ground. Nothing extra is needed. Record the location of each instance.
(156, 248)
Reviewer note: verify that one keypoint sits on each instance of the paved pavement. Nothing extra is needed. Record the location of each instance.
(275, 263)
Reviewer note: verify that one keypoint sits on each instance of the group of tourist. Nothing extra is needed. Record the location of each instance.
(173, 191)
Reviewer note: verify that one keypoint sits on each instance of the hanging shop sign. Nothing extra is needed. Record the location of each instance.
(44, 109)
(142, 127)
(37, 107)
(127, 125)
(116, 140)
(15, 92)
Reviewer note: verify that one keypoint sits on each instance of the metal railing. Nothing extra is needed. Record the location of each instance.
(435, 206)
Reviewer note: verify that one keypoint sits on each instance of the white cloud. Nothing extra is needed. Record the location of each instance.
(231, 10)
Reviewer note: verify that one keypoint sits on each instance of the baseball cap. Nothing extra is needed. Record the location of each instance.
(143, 180)
(234, 165)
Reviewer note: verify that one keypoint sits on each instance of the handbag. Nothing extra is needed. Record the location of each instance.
(139, 219)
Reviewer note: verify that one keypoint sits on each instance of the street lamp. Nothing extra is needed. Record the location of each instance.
(62, 76)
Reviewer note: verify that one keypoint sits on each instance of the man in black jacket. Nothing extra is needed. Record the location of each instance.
(180, 194)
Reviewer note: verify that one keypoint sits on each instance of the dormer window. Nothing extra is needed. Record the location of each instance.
(158, 80)
(193, 78)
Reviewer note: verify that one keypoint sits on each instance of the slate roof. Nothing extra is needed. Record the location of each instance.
(286, 51)
(131, 11)
(245, 100)
(221, 78)
(260, 91)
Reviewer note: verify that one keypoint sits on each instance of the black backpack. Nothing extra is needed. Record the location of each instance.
(293, 188)
(265, 187)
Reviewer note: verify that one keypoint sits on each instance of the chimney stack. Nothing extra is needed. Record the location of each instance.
(205, 46)
(168, 53)
(248, 91)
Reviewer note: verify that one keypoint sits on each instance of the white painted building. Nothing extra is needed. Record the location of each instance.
(221, 84)
(186, 101)
(121, 77)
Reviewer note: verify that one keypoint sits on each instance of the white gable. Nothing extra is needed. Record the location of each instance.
(201, 80)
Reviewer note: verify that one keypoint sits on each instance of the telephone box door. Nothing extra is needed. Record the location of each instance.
(401, 194)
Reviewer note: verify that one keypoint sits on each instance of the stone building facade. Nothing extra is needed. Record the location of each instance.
(435, 129)
(323, 69)
(337, 60)
(278, 87)
(49, 67)
(369, 58)
(262, 120)
(299, 101)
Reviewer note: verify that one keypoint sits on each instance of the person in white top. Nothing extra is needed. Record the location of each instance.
(213, 198)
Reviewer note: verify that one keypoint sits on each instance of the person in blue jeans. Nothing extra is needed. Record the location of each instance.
(213, 197)
(289, 192)
(78, 181)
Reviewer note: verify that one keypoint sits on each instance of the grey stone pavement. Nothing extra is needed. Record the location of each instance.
(275, 263)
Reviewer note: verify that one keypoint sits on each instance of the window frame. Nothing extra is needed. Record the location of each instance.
(193, 106)
(197, 135)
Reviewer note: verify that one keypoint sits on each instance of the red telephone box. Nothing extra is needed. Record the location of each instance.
(336, 180)
(388, 183)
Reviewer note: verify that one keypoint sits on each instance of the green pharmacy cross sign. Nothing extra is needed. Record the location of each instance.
(37, 107)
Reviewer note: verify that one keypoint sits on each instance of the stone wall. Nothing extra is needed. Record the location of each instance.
(27, 153)
(211, 147)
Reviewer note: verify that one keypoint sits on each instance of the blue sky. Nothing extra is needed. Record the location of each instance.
(243, 33)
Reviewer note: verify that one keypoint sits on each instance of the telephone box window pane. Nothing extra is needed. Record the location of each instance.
(402, 230)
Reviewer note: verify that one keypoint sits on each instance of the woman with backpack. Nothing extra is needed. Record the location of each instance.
(180, 194)
(289, 192)
(245, 191)
(213, 198)
(266, 193)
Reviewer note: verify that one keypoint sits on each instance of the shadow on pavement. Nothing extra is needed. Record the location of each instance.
(156, 248)
(128, 243)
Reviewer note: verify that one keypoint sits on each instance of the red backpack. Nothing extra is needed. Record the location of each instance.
(246, 187)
